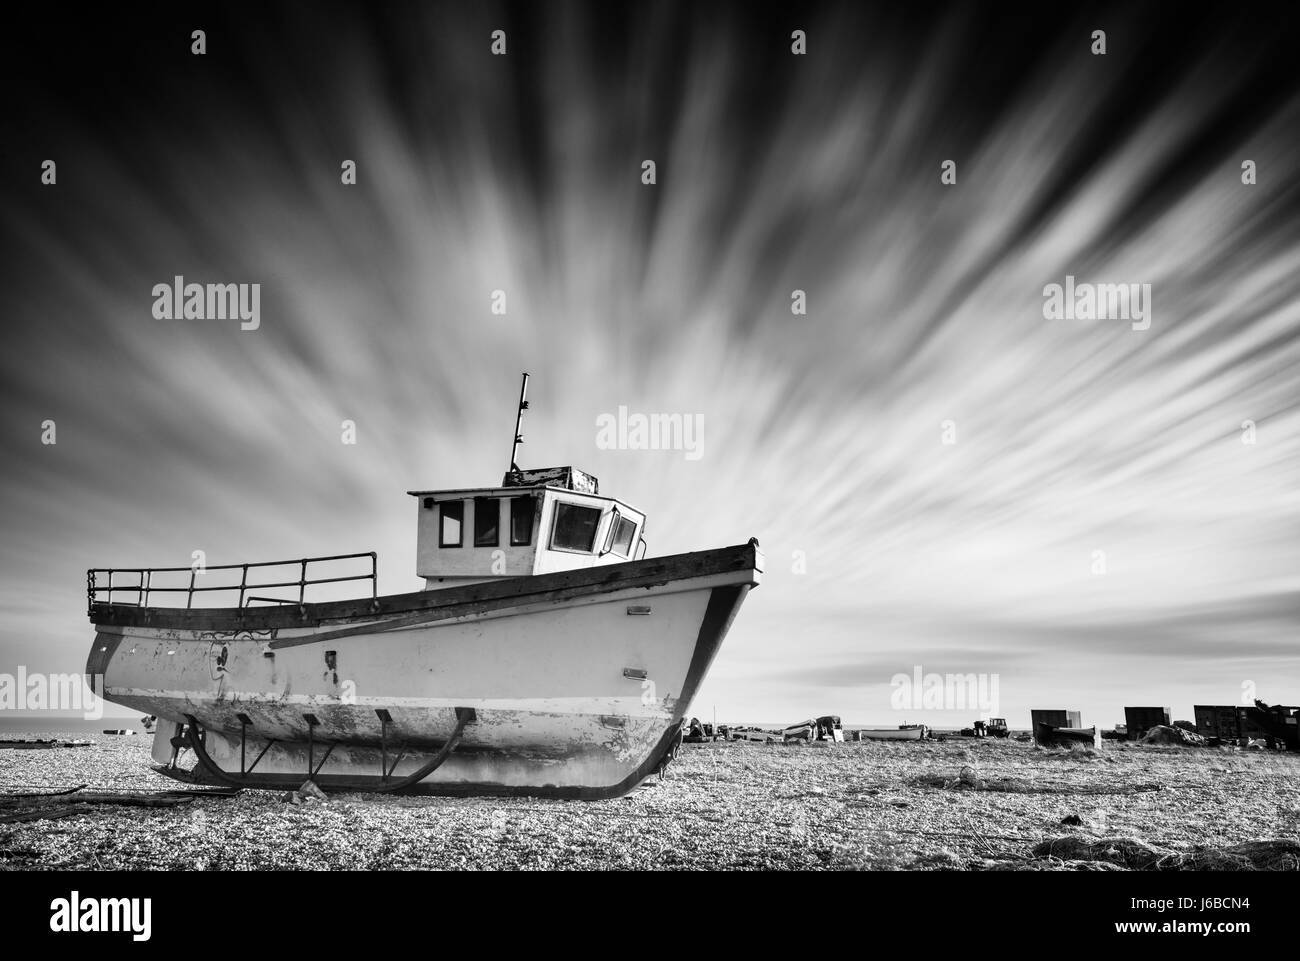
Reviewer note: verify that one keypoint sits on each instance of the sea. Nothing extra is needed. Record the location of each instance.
(12, 723)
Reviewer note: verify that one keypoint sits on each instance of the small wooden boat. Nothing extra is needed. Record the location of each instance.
(39, 744)
(803, 731)
(830, 728)
(907, 732)
(1049, 734)
(824, 728)
(545, 655)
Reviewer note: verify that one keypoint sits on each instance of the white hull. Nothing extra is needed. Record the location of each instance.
(571, 696)
(911, 734)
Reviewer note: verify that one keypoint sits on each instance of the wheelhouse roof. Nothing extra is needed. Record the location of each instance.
(481, 491)
(461, 492)
(547, 478)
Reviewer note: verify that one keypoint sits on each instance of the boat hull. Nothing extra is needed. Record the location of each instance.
(568, 685)
(1048, 735)
(907, 734)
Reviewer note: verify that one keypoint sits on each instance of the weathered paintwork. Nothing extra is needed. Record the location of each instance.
(571, 695)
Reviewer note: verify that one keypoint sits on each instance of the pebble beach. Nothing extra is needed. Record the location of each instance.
(958, 804)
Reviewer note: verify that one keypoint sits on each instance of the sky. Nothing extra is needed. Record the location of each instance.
(942, 477)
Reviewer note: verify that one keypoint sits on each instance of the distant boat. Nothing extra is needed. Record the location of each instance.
(830, 728)
(1048, 734)
(754, 734)
(803, 731)
(26, 744)
(908, 732)
(824, 728)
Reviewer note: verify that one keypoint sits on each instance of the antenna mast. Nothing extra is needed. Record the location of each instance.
(519, 423)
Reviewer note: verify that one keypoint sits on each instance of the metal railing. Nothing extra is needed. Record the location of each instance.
(144, 586)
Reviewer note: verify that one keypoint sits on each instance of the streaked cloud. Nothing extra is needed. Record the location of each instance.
(822, 432)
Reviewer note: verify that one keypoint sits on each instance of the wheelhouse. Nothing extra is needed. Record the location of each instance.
(536, 522)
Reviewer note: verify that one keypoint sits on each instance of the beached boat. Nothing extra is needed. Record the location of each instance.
(755, 734)
(824, 728)
(830, 728)
(803, 731)
(545, 656)
(907, 732)
(1045, 733)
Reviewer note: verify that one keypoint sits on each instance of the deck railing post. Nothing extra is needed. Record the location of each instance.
(144, 588)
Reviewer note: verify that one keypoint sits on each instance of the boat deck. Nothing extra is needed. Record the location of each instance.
(428, 605)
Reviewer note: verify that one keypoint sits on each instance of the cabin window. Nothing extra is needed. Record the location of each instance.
(450, 521)
(575, 527)
(523, 511)
(624, 529)
(487, 521)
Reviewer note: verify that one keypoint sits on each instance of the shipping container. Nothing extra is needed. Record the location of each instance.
(1056, 718)
(1216, 720)
(1139, 720)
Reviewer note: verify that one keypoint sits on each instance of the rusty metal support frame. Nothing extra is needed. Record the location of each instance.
(381, 783)
(311, 742)
(386, 719)
(244, 722)
(328, 751)
(312, 768)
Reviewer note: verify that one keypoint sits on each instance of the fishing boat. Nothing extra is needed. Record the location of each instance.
(824, 728)
(830, 728)
(803, 731)
(1045, 733)
(758, 735)
(905, 732)
(546, 655)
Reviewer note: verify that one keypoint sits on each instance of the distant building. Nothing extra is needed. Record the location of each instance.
(1056, 718)
(1233, 721)
(1139, 720)
(1051, 727)
(1216, 720)
(1280, 722)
